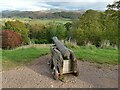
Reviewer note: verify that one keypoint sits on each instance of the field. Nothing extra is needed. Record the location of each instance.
(21, 56)
(37, 21)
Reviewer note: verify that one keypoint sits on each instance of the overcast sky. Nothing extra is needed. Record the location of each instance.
(35, 5)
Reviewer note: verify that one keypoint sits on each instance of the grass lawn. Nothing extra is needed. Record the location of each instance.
(101, 56)
(17, 57)
(21, 56)
(43, 21)
(35, 21)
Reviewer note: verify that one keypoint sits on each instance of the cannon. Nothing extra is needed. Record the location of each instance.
(62, 60)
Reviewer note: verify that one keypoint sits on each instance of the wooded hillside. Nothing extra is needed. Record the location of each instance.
(48, 14)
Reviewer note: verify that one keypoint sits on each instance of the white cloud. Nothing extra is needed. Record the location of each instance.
(34, 5)
(60, 0)
(79, 1)
(21, 5)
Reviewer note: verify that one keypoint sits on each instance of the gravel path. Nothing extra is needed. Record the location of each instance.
(38, 75)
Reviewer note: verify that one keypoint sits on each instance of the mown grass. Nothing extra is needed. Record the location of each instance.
(21, 56)
(43, 21)
(17, 57)
(101, 56)
(36, 21)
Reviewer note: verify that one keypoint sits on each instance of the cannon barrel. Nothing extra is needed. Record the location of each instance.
(64, 51)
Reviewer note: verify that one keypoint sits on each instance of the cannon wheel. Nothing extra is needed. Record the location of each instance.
(76, 73)
(55, 74)
(51, 64)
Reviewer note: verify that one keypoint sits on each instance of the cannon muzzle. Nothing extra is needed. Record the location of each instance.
(64, 51)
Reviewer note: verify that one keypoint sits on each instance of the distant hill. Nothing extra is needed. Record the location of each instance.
(48, 14)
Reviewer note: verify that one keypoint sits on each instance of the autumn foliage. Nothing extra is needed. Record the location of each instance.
(10, 39)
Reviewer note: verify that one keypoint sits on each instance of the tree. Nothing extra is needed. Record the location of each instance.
(36, 29)
(90, 25)
(55, 29)
(68, 28)
(79, 35)
(111, 26)
(115, 5)
(42, 33)
(20, 28)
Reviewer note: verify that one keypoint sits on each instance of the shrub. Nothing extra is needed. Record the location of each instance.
(71, 46)
(91, 46)
(10, 39)
(54, 29)
(40, 41)
(20, 28)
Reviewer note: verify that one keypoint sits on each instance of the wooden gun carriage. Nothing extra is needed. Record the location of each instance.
(62, 60)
